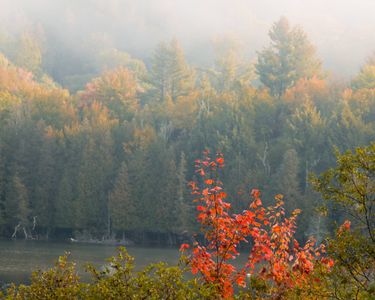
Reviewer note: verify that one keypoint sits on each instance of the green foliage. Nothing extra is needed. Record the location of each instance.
(17, 203)
(122, 210)
(351, 186)
(289, 57)
(112, 58)
(366, 77)
(231, 70)
(156, 281)
(117, 281)
(170, 75)
(60, 282)
(28, 54)
(353, 275)
(286, 179)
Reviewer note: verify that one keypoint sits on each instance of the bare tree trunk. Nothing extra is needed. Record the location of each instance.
(170, 239)
(34, 222)
(264, 160)
(108, 226)
(306, 175)
(34, 234)
(25, 233)
(16, 228)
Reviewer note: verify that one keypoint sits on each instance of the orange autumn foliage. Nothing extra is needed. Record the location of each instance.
(313, 89)
(275, 256)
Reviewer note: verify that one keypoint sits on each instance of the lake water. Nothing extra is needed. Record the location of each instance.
(19, 258)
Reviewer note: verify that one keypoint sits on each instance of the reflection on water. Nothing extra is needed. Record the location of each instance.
(19, 258)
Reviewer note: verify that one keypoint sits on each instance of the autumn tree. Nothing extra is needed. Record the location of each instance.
(290, 57)
(116, 89)
(112, 58)
(283, 264)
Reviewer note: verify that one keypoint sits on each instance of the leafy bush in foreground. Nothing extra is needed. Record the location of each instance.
(117, 281)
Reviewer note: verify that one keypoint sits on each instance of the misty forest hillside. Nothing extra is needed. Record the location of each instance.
(106, 145)
(75, 36)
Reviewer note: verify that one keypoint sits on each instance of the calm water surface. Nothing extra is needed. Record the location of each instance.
(19, 258)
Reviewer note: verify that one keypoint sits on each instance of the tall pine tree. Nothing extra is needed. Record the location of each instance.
(290, 57)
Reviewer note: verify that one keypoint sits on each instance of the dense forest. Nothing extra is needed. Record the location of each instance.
(111, 153)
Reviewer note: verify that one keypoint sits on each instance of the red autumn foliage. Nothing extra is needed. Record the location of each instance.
(275, 257)
(344, 227)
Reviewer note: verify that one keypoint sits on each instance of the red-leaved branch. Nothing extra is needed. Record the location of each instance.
(275, 256)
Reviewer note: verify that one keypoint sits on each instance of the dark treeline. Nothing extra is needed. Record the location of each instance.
(116, 156)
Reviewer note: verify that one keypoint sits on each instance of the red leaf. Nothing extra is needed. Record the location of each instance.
(276, 228)
(255, 193)
(220, 160)
(183, 247)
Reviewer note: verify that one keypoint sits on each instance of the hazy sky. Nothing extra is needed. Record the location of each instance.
(342, 30)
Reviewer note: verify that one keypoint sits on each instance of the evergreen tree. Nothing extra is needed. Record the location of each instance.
(141, 182)
(166, 202)
(66, 201)
(46, 183)
(121, 206)
(366, 77)
(95, 170)
(308, 133)
(91, 206)
(289, 57)
(287, 182)
(230, 68)
(17, 207)
(170, 74)
(28, 54)
(184, 209)
(2, 190)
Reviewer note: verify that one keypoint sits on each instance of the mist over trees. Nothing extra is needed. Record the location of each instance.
(77, 39)
(113, 155)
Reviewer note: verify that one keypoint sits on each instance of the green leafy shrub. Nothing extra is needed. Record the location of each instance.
(117, 281)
